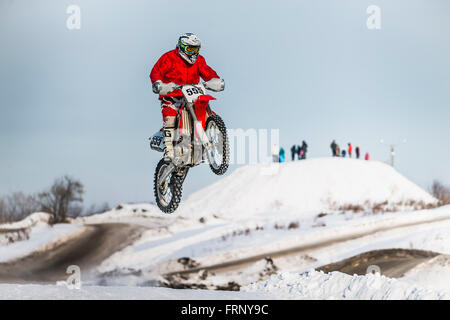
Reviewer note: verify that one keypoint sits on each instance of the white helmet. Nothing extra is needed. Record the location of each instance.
(188, 47)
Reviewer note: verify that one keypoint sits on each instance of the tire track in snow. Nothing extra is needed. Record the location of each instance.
(89, 249)
(237, 264)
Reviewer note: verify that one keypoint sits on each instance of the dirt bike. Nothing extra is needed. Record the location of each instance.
(200, 136)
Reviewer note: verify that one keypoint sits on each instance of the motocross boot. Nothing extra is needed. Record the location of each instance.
(168, 141)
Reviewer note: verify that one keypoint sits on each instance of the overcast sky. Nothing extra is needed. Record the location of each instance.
(79, 102)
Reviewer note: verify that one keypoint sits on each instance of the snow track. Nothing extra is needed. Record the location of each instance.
(87, 250)
(323, 239)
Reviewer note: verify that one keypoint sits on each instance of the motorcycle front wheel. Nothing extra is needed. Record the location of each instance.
(167, 192)
(219, 154)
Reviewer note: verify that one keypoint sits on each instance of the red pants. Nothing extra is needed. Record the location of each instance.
(170, 107)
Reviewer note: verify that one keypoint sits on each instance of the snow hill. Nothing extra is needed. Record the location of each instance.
(305, 186)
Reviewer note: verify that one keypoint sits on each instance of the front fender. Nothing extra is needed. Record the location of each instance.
(201, 107)
(204, 98)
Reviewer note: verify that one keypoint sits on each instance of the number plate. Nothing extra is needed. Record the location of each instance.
(157, 142)
(191, 92)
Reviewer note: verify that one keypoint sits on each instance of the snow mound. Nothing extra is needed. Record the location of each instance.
(304, 186)
(125, 212)
(33, 234)
(38, 238)
(20, 230)
(337, 285)
(28, 222)
(433, 274)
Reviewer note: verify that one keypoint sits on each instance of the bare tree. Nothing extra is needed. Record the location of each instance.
(62, 199)
(21, 205)
(17, 207)
(94, 209)
(75, 210)
(440, 192)
(2, 211)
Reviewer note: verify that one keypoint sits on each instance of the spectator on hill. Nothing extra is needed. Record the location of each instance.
(344, 153)
(304, 149)
(350, 149)
(281, 155)
(333, 148)
(293, 151)
(338, 151)
(357, 152)
(367, 156)
(298, 152)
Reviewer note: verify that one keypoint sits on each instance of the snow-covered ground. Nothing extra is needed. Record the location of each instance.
(131, 213)
(298, 205)
(429, 236)
(33, 234)
(433, 274)
(28, 222)
(337, 285)
(309, 285)
(327, 209)
(224, 241)
(53, 292)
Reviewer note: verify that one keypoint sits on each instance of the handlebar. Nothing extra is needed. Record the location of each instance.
(178, 87)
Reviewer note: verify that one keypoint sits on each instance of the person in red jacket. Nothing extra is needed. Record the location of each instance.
(367, 156)
(180, 66)
(350, 149)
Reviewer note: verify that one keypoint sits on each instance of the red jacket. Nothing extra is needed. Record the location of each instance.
(171, 67)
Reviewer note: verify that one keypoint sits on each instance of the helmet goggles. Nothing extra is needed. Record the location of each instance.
(189, 50)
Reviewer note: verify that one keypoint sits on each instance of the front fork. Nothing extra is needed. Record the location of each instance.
(199, 128)
(170, 169)
(165, 174)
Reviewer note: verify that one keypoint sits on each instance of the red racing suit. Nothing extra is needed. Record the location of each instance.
(171, 67)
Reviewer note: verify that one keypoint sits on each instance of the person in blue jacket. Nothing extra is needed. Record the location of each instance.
(281, 155)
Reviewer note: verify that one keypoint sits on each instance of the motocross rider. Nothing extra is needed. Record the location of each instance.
(183, 65)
